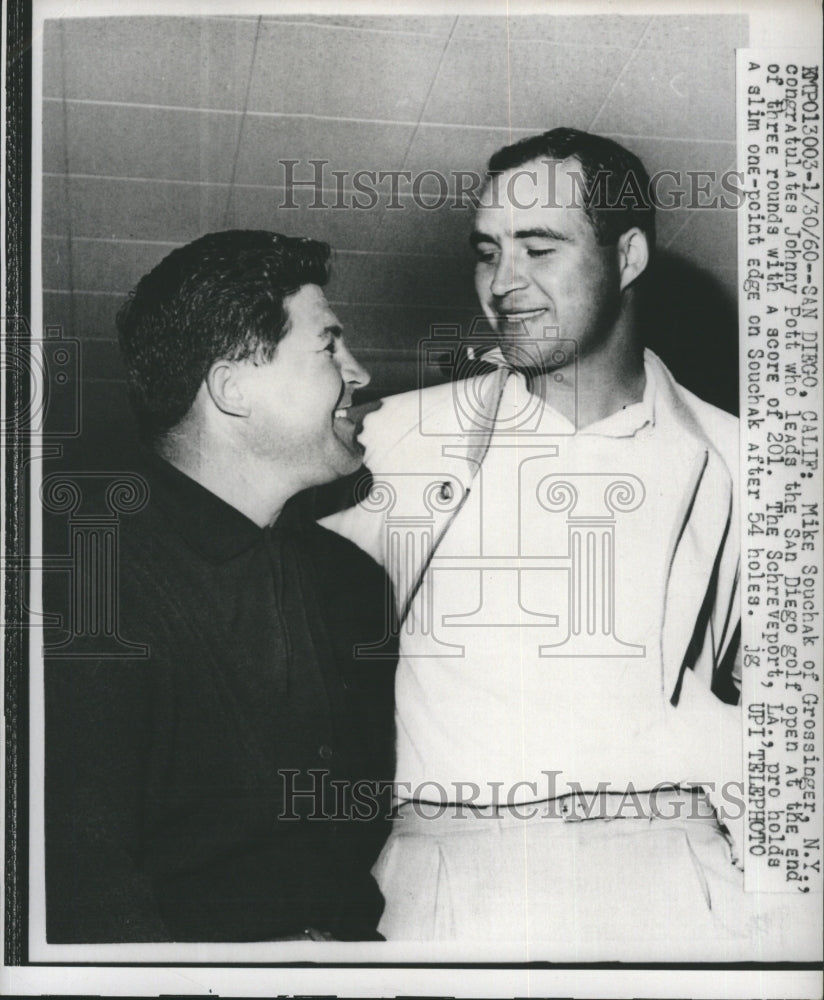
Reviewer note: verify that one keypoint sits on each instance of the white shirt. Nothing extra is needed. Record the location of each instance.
(500, 712)
(477, 702)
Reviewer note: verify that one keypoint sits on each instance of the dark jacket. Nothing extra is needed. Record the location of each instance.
(169, 770)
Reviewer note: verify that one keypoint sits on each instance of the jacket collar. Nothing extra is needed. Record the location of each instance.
(670, 395)
(701, 525)
(214, 528)
(623, 423)
(701, 528)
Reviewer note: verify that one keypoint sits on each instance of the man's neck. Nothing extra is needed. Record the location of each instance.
(594, 387)
(251, 490)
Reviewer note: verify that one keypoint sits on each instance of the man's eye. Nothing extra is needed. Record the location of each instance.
(485, 256)
(540, 251)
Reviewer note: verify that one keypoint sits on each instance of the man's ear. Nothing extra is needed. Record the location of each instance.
(633, 255)
(226, 386)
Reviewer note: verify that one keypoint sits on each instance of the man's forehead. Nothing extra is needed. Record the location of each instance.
(552, 178)
(306, 296)
(309, 303)
(540, 192)
(308, 299)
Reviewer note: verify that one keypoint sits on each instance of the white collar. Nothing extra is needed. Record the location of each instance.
(625, 422)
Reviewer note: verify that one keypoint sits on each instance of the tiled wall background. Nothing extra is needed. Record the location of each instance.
(157, 130)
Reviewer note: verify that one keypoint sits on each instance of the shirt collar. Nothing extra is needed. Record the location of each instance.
(214, 528)
(626, 422)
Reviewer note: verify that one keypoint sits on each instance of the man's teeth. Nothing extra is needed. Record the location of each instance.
(531, 314)
(342, 413)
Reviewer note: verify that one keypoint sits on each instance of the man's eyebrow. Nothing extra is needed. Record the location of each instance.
(539, 232)
(542, 232)
(476, 237)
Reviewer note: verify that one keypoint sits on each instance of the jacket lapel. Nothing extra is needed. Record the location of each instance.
(427, 501)
(701, 527)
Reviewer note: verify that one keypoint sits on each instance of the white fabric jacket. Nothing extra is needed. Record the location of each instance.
(416, 445)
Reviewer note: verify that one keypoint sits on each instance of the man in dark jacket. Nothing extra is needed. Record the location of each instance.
(222, 782)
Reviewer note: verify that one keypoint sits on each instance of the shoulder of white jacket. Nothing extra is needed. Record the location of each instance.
(719, 427)
(403, 415)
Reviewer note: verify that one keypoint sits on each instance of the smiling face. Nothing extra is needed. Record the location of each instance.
(299, 398)
(540, 272)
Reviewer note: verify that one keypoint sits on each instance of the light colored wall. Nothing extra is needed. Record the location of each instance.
(157, 130)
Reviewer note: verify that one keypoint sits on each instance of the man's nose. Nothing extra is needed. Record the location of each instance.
(509, 275)
(352, 370)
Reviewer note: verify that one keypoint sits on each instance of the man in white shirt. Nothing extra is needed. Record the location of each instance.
(562, 535)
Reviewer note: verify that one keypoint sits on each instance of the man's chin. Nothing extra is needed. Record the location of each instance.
(339, 466)
(522, 355)
(526, 350)
(339, 486)
(534, 354)
(349, 459)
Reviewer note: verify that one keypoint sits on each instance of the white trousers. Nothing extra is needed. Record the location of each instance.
(597, 890)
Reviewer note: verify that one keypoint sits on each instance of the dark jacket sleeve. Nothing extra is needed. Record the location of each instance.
(156, 829)
(161, 791)
(97, 726)
(358, 602)
(277, 891)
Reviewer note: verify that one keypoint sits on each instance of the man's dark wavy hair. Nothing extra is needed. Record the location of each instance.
(616, 195)
(220, 296)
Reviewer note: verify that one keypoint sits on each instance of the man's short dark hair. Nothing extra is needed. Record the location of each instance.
(615, 185)
(220, 296)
